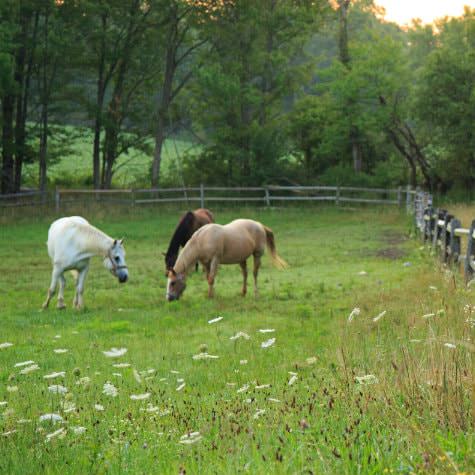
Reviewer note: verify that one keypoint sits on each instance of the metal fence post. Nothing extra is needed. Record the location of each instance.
(202, 195)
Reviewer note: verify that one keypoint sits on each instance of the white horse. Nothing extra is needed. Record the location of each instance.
(71, 243)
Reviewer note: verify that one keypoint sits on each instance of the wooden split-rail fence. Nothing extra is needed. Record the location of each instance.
(443, 232)
(214, 195)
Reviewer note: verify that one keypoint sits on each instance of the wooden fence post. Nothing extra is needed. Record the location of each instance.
(427, 224)
(436, 230)
(337, 195)
(57, 199)
(468, 270)
(408, 199)
(445, 238)
(267, 197)
(399, 196)
(202, 195)
(454, 245)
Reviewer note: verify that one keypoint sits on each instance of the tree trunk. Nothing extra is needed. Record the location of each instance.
(43, 147)
(8, 104)
(165, 99)
(96, 157)
(343, 32)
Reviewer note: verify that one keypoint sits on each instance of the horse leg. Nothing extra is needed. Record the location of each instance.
(243, 265)
(78, 300)
(52, 288)
(257, 264)
(62, 283)
(213, 269)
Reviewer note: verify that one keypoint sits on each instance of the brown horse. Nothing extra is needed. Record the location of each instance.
(214, 244)
(188, 224)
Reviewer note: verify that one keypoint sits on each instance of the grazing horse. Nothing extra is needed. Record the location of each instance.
(71, 243)
(215, 244)
(188, 224)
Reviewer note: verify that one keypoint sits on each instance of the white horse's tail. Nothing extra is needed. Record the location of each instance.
(276, 259)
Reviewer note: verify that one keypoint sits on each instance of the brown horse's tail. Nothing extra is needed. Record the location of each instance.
(276, 259)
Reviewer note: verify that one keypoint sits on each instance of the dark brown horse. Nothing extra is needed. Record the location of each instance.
(188, 224)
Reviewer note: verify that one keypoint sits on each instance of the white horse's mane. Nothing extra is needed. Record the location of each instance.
(94, 237)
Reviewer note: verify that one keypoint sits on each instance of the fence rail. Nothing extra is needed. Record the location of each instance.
(444, 233)
(267, 195)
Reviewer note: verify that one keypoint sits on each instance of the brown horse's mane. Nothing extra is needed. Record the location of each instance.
(181, 236)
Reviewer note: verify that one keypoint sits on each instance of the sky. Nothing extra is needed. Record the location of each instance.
(402, 11)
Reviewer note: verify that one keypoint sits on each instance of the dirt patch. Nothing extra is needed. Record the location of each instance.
(393, 238)
(390, 253)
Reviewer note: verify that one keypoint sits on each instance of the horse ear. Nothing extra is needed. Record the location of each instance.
(173, 272)
(115, 243)
(121, 241)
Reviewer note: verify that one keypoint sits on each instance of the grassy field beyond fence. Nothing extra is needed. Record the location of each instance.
(370, 370)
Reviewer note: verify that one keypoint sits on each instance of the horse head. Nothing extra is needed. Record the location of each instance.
(115, 261)
(176, 285)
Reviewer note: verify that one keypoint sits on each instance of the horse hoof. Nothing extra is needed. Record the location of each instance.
(61, 306)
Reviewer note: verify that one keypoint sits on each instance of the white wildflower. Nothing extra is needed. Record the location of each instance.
(354, 313)
(432, 287)
(29, 369)
(242, 362)
(367, 379)
(23, 421)
(407, 264)
(140, 397)
(57, 389)
(151, 408)
(262, 386)
(240, 335)
(3, 403)
(121, 365)
(24, 363)
(379, 316)
(69, 406)
(98, 407)
(428, 315)
(190, 438)
(9, 432)
(51, 417)
(7, 344)
(117, 375)
(268, 343)
(243, 389)
(174, 371)
(78, 430)
(204, 356)
(414, 340)
(273, 399)
(363, 272)
(109, 389)
(58, 374)
(12, 389)
(267, 330)
(115, 352)
(292, 380)
(57, 433)
(60, 351)
(137, 376)
(84, 381)
(231, 384)
(57, 337)
(311, 360)
(450, 345)
(215, 320)
(258, 413)
(182, 385)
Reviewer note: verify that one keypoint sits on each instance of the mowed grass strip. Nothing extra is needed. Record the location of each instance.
(388, 391)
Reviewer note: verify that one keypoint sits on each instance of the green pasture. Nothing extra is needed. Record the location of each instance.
(387, 392)
(74, 167)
